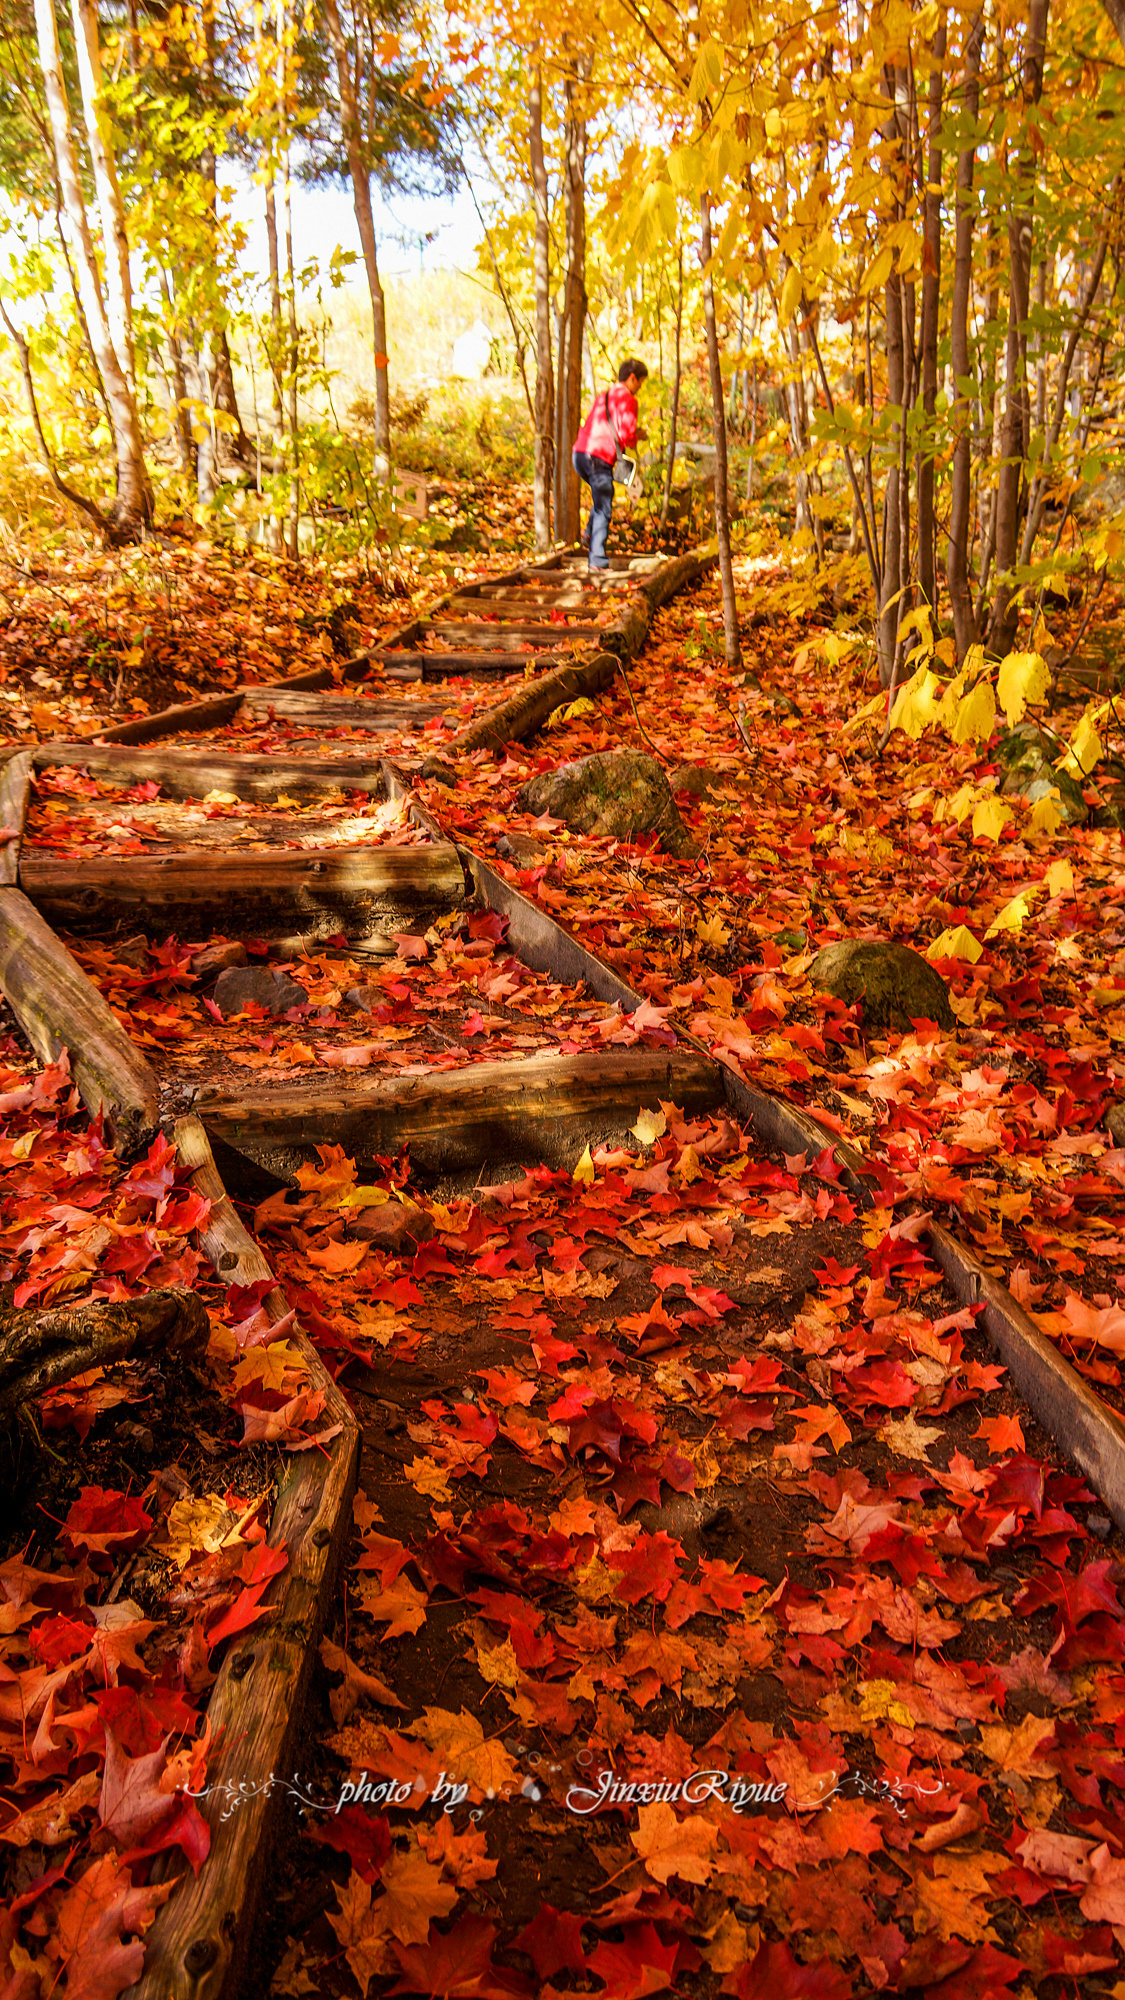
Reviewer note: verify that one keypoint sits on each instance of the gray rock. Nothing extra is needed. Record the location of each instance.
(895, 985)
(1026, 754)
(619, 793)
(240, 986)
(697, 779)
(1115, 1123)
(215, 957)
(393, 1226)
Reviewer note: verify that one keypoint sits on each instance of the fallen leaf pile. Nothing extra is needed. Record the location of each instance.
(712, 1477)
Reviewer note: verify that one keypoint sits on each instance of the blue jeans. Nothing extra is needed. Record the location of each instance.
(598, 476)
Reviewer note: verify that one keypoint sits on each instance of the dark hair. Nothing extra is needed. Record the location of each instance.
(628, 368)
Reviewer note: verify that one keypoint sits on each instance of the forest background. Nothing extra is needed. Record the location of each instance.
(872, 256)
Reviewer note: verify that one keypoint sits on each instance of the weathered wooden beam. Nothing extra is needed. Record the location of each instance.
(543, 1107)
(531, 611)
(542, 943)
(475, 666)
(188, 773)
(15, 786)
(1089, 1431)
(199, 1946)
(511, 638)
(257, 893)
(339, 711)
(58, 1008)
(527, 709)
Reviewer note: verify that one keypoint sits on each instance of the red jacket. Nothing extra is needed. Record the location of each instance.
(596, 435)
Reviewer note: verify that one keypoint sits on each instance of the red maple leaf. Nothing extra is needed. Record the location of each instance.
(648, 1569)
(553, 1941)
(101, 1519)
(364, 1837)
(773, 1972)
(458, 1966)
(638, 1966)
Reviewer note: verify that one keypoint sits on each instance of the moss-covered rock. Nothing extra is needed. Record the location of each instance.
(619, 793)
(895, 985)
(1025, 754)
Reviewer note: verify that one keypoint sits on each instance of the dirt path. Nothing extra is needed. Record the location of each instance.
(718, 1616)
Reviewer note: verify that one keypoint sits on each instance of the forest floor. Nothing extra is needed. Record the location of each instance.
(673, 1461)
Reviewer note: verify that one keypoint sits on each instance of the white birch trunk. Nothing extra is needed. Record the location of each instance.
(132, 507)
(111, 212)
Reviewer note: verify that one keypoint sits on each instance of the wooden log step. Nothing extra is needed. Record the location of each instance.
(329, 711)
(529, 707)
(199, 1946)
(489, 1114)
(262, 893)
(499, 638)
(474, 666)
(58, 1008)
(531, 612)
(185, 772)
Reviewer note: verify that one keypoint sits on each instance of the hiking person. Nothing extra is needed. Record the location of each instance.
(606, 435)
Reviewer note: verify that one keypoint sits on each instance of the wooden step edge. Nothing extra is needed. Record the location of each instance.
(15, 791)
(362, 866)
(198, 1948)
(262, 776)
(58, 1007)
(1087, 1429)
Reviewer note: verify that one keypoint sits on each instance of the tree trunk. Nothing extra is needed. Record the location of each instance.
(365, 222)
(674, 417)
(131, 509)
(1017, 413)
(291, 377)
(220, 377)
(733, 646)
(573, 324)
(894, 553)
(179, 380)
(275, 310)
(544, 372)
(931, 296)
(957, 548)
(119, 293)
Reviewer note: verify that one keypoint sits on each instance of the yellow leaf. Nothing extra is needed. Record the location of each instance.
(650, 1126)
(990, 819)
(1011, 917)
(956, 943)
(467, 1756)
(584, 1171)
(879, 1702)
(1047, 814)
(879, 271)
(712, 931)
(962, 803)
(1085, 746)
(687, 1168)
(1023, 678)
(498, 1665)
(1060, 879)
(975, 718)
(670, 1846)
(790, 295)
(426, 1476)
(916, 705)
(268, 1366)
